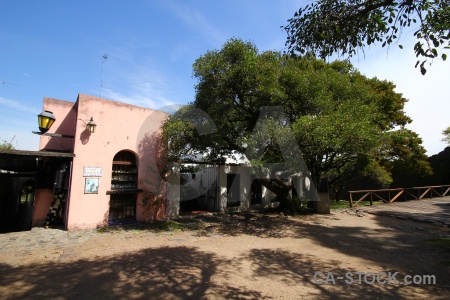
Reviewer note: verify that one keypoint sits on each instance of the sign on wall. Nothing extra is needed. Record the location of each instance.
(91, 186)
(92, 171)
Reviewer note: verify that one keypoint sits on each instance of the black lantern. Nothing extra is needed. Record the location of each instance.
(91, 125)
(45, 120)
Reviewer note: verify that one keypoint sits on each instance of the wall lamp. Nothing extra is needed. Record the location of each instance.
(90, 125)
(45, 121)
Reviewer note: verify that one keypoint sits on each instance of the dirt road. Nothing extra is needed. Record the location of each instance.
(243, 256)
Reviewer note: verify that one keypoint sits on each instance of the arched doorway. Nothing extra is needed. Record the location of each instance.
(124, 180)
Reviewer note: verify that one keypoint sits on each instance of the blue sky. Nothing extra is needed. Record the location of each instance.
(54, 49)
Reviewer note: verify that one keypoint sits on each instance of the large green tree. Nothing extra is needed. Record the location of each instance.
(327, 27)
(287, 114)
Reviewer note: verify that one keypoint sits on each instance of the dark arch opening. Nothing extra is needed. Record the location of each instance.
(123, 194)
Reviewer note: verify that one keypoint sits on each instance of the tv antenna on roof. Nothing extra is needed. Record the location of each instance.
(4, 82)
(104, 58)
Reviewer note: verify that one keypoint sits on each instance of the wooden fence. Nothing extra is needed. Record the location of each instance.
(391, 195)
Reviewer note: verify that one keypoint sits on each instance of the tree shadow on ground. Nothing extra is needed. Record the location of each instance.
(395, 246)
(189, 273)
(160, 273)
(300, 269)
(254, 224)
(233, 224)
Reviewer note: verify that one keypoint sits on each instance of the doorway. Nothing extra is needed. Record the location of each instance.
(233, 190)
(123, 194)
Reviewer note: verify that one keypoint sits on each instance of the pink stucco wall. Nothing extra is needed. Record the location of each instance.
(119, 127)
(66, 115)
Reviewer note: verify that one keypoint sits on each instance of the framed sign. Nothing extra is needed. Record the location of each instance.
(91, 186)
(92, 171)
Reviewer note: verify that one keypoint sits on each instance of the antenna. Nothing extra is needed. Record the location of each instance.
(4, 82)
(104, 58)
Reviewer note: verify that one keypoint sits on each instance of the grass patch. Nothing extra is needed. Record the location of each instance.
(170, 225)
(346, 204)
(107, 229)
(443, 242)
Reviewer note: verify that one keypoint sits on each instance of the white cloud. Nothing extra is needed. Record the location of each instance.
(197, 21)
(133, 99)
(139, 86)
(135, 79)
(18, 106)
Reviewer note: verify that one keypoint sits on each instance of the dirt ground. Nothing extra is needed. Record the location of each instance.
(240, 256)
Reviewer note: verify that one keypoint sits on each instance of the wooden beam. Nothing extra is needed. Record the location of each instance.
(424, 193)
(380, 190)
(433, 189)
(124, 191)
(362, 198)
(382, 199)
(4, 152)
(446, 191)
(414, 196)
(396, 196)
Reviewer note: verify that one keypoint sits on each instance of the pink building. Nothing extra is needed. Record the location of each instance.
(114, 175)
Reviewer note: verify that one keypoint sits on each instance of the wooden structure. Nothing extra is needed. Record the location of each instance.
(24, 174)
(391, 195)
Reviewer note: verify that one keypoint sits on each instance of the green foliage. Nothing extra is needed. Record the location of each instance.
(446, 133)
(5, 145)
(326, 27)
(288, 114)
(176, 134)
(296, 206)
(403, 151)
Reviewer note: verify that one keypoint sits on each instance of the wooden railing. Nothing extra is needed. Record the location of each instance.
(390, 195)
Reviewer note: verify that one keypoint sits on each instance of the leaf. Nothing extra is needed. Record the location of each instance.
(400, 46)
(444, 56)
(422, 68)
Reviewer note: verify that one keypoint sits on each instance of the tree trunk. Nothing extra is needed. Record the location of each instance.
(280, 189)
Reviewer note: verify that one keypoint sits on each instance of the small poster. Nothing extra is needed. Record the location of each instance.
(91, 186)
(92, 171)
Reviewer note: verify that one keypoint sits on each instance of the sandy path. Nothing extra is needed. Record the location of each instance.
(261, 257)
